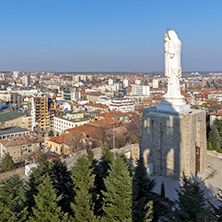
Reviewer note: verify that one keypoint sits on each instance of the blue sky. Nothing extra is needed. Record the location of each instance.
(108, 35)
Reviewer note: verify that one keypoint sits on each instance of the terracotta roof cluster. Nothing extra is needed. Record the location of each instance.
(113, 114)
(21, 140)
(68, 138)
(100, 105)
(96, 129)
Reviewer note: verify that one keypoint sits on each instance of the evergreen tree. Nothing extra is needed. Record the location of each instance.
(90, 156)
(118, 195)
(214, 136)
(106, 160)
(101, 172)
(192, 206)
(62, 182)
(142, 196)
(218, 211)
(51, 133)
(83, 183)
(218, 149)
(125, 160)
(162, 193)
(36, 177)
(13, 200)
(8, 163)
(218, 124)
(46, 204)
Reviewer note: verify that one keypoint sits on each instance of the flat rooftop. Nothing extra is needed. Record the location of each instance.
(72, 120)
(4, 117)
(13, 130)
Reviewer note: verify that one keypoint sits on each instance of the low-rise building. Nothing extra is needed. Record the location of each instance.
(68, 121)
(15, 119)
(66, 143)
(21, 146)
(10, 132)
(10, 119)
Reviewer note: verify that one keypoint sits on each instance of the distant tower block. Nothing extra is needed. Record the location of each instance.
(173, 135)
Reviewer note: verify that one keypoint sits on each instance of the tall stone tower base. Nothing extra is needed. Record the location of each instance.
(174, 142)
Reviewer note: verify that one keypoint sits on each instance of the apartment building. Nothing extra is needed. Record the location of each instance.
(26, 81)
(124, 105)
(138, 90)
(40, 114)
(71, 94)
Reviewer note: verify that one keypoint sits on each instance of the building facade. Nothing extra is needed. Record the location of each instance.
(40, 114)
(140, 90)
(68, 121)
(21, 146)
(26, 80)
(123, 105)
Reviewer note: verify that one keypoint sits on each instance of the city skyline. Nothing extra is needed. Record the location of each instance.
(107, 36)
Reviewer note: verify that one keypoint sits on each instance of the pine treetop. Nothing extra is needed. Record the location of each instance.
(46, 200)
(118, 198)
(13, 199)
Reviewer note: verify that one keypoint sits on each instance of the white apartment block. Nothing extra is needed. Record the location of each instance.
(123, 105)
(111, 81)
(3, 76)
(26, 80)
(64, 122)
(137, 81)
(15, 74)
(140, 90)
(76, 79)
(126, 83)
(155, 83)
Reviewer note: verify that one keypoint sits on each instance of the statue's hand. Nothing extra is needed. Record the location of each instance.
(171, 55)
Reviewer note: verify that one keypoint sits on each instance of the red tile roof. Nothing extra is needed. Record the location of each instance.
(95, 129)
(68, 139)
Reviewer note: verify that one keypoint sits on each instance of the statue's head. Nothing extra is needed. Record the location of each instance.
(171, 35)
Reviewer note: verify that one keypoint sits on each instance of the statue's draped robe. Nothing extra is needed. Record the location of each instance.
(172, 64)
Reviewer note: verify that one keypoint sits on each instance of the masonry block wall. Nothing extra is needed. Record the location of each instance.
(173, 143)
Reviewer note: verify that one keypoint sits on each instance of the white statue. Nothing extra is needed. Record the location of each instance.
(172, 63)
(173, 100)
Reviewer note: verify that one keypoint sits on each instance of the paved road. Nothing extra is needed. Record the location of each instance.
(211, 183)
(214, 181)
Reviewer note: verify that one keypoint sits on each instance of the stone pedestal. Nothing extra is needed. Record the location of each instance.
(174, 140)
(173, 103)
